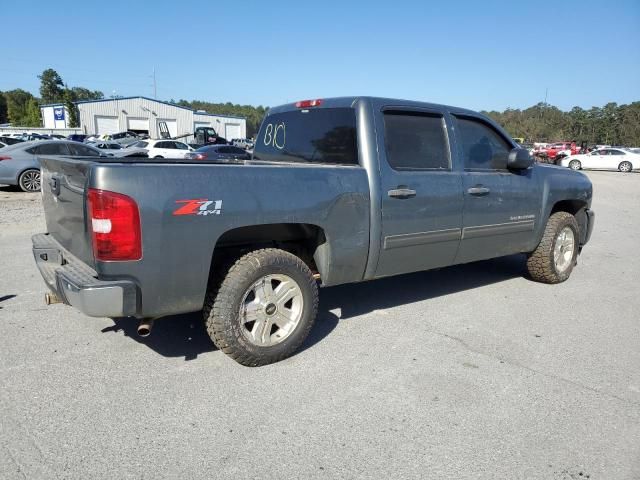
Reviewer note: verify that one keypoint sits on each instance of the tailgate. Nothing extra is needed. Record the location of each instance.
(64, 182)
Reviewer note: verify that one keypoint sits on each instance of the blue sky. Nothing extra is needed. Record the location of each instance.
(477, 54)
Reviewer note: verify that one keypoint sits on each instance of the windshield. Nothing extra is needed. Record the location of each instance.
(324, 135)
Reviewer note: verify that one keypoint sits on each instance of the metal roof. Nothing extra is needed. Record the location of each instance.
(145, 98)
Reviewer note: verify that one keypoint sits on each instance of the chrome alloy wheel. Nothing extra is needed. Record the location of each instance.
(625, 167)
(30, 181)
(563, 249)
(270, 310)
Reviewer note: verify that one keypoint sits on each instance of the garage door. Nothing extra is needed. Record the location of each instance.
(172, 126)
(232, 130)
(138, 124)
(106, 125)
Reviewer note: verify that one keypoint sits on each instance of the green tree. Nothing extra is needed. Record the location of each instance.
(4, 113)
(50, 86)
(17, 102)
(81, 93)
(32, 115)
(611, 124)
(72, 111)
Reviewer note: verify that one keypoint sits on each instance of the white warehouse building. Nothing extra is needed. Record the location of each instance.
(142, 115)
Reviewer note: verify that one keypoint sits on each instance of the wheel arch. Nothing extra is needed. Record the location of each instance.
(305, 240)
(577, 208)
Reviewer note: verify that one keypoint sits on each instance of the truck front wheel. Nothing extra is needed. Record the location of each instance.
(263, 309)
(553, 260)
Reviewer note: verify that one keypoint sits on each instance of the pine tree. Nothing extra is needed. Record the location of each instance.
(50, 86)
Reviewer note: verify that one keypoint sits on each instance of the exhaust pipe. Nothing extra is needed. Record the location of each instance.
(144, 329)
(51, 298)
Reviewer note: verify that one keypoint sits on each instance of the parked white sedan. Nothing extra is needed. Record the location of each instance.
(164, 148)
(604, 159)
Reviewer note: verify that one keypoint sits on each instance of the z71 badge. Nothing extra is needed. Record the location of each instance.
(199, 206)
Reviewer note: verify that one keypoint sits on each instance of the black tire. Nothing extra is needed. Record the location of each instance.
(541, 264)
(625, 167)
(29, 180)
(575, 165)
(222, 306)
(158, 156)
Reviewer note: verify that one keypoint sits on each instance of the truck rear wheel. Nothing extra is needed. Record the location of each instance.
(263, 309)
(553, 260)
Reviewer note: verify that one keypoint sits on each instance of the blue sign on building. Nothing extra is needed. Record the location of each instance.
(58, 113)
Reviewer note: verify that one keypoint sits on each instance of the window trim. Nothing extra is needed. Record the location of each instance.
(487, 124)
(417, 112)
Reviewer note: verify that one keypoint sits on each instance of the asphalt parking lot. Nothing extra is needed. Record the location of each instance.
(467, 372)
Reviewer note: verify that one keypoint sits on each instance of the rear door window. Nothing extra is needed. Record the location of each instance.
(415, 141)
(52, 149)
(315, 135)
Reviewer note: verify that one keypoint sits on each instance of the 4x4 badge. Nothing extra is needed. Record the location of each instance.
(199, 206)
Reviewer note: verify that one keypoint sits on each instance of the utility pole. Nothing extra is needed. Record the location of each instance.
(544, 105)
(155, 91)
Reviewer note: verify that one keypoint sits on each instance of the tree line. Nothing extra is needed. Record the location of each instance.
(254, 115)
(612, 124)
(21, 108)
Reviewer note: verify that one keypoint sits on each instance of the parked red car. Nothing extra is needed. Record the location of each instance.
(552, 151)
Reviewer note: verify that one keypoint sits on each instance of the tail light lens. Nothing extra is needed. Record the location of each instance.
(4, 157)
(115, 226)
(200, 156)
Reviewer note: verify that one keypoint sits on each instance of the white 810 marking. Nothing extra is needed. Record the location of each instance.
(275, 135)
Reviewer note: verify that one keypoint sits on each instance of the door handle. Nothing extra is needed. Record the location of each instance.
(478, 191)
(402, 193)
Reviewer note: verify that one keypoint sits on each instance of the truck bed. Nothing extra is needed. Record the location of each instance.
(178, 249)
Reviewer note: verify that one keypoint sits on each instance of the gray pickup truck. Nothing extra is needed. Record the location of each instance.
(338, 190)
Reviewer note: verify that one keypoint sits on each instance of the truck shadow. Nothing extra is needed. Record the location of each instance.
(6, 297)
(185, 335)
(362, 298)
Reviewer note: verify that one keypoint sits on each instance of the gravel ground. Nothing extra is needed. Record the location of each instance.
(468, 372)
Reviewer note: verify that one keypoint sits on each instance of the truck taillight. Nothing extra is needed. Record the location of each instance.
(4, 157)
(309, 103)
(115, 226)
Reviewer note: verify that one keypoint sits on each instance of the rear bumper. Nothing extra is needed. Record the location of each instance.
(76, 284)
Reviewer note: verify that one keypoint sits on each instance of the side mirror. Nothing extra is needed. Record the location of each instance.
(519, 159)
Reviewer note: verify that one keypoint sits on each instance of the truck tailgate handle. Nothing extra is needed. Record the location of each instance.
(402, 193)
(478, 191)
